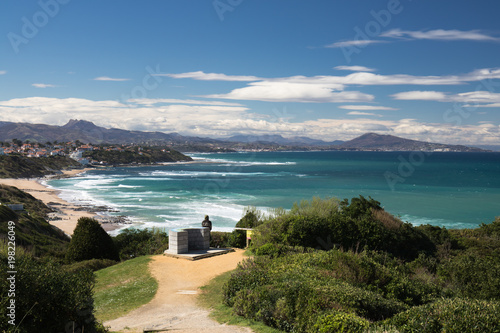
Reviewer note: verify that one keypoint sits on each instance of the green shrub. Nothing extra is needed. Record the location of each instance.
(47, 297)
(341, 322)
(450, 315)
(491, 229)
(90, 241)
(473, 276)
(132, 243)
(219, 239)
(250, 273)
(290, 292)
(321, 224)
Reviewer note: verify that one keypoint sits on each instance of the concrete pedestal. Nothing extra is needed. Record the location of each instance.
(188, 239)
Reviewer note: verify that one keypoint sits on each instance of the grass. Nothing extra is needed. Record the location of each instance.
(122, 288)
(211, 298)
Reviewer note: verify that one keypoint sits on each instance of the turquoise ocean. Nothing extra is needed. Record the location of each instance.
(455, 190)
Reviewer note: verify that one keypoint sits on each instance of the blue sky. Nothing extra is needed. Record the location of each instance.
(427, 70)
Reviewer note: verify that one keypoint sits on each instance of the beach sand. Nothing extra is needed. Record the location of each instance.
(67, 214)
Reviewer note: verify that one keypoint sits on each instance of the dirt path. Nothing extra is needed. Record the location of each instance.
(174, 305)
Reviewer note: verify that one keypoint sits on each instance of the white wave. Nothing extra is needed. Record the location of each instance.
(194, 174)
(129, 186)
(420, 220)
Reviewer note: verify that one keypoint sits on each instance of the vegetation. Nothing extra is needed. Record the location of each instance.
(123, 287)
(136, 155)
(14, 166)
(251, 219)
(133, 243)
(63, 299)
(212, 298)
(340, 266)
(33, 232)
(90, 241)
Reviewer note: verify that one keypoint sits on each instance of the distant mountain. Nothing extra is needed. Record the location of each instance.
(489, 147)
(373, 141)
(88, 132)
(278, 139)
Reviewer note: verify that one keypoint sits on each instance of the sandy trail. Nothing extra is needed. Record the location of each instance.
(174, 306)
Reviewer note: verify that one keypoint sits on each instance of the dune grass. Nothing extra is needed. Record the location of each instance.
(211, 298)
(123, 287)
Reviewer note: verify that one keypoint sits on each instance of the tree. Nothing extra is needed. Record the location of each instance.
(90, 241)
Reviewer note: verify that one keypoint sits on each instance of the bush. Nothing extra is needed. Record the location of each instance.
(450, 315)
(472, 276)
(290, 292)
(341, 322)
(132, 243)
(219, 239)
(47, 297)
(90, 241)
(323, 224)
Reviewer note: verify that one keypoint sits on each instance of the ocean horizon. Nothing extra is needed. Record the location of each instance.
(452, 190)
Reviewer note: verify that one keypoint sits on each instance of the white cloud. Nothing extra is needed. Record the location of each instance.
(199, 75)
(152, 101)
(486, 97)
(420, 95)
(328, 88)
(440, 34)
(43, 85)
(354, 68)
(282, 91)
(492, 105)
(3, 72)
(358, 113)
(366, 107)
(225, 120)
(106, 78)
(354, 43)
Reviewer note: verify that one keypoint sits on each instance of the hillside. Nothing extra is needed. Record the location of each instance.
(278, 139)
(23, 167)
(137, 155)
(87, 132)
(33, 232)
(375, 141)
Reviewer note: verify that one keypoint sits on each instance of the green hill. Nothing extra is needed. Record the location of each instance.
(14, 166)
(32, 231)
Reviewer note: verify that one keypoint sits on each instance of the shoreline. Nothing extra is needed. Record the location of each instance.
(66, 214)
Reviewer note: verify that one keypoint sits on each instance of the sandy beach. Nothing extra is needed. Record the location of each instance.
(67, 214)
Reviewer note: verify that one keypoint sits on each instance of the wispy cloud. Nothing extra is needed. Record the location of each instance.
(354, 68)
(153, 101)
(354, 43)
(328, 88)
(199, 75)
(358, 113)
(3, 72)
(106, 78)
(440, 34)
(479, 98)
(366, 107)
(43, 85)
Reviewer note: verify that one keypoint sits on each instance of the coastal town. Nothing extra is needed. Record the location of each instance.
(75, 150)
